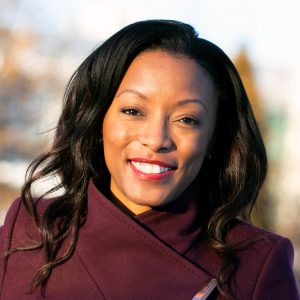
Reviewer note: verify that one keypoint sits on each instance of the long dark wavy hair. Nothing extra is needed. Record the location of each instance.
(234, 169)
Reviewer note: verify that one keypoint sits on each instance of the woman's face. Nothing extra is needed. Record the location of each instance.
(158, 129)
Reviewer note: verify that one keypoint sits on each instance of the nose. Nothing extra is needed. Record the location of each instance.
(156, 135)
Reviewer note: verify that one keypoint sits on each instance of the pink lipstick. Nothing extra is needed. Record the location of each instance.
(151, 169)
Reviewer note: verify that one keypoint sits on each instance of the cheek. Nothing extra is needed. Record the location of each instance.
(192, 155)
(115, 138)
(111, 129)
(194, 148)
(114, 135)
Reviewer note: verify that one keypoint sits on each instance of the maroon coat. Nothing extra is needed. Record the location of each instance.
(156, 255)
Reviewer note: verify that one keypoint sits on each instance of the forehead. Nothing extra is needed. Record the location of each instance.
(164, 70)
(162, 60)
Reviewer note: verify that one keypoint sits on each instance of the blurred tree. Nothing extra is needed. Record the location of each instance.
(262, 214)
(16, 89)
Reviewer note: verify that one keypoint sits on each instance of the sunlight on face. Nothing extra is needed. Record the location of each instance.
(157, 129)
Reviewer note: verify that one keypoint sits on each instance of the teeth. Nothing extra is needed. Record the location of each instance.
(149, 168)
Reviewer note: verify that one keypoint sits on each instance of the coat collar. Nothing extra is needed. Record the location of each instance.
(130, 255)
(178, 224)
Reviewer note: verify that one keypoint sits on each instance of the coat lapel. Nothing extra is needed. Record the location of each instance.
(124, 259)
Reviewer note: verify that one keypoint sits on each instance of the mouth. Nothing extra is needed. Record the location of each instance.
(147, 167)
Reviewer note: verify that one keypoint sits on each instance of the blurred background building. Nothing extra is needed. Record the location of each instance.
(42, 43)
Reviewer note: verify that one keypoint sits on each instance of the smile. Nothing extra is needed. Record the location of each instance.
(147, 168)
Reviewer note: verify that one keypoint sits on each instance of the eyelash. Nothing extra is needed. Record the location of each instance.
(189, 121)
(131, 111)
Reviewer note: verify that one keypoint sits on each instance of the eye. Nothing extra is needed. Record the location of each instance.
(130, 111)
(189, 121)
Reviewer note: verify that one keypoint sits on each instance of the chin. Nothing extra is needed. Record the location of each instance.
(156, 202)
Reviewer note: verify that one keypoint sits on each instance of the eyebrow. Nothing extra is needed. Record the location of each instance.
(179, 103)
(186, 101)
(132, 92)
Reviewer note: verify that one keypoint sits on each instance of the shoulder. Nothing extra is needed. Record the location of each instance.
(260, 245)
(265, 266)
(18, 223)
(9, 223)
(19, 230)
(6, 234)
(242, 231)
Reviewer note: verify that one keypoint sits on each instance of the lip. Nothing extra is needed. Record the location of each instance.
(153, 162)
(152, 176)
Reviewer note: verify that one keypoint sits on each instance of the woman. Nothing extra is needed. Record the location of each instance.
(158, 153)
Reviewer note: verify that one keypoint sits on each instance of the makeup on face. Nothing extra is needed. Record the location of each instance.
(158, 129)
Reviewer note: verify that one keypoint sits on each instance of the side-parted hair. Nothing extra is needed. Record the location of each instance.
(234, 169)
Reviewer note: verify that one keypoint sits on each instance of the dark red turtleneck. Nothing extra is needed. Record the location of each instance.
(160, 254)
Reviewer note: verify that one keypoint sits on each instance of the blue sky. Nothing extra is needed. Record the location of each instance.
(269, 29)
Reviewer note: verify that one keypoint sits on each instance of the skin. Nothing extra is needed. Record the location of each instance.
(164, 112)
